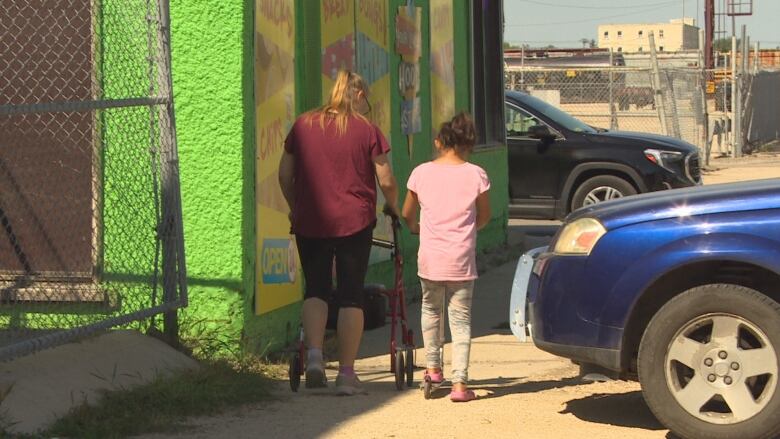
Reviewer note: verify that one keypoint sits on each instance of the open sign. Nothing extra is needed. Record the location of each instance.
(278, 261)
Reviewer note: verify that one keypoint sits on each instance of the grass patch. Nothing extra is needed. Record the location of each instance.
(164, 404)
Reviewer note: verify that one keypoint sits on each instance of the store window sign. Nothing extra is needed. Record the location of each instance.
(411, 120)
(278, 261)
(409, 79)
(408, 44)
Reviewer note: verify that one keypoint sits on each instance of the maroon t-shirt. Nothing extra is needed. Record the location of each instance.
(335, 183)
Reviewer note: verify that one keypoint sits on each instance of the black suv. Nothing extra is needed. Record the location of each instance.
(558, 163)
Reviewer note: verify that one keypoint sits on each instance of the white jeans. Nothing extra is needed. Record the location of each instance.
(457, 296)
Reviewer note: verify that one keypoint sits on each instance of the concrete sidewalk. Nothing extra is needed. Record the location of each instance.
(45, 386)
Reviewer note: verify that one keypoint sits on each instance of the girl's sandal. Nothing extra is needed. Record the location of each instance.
(464, 396)
(436, 377)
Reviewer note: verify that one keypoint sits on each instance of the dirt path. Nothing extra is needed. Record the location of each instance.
(523, 392)
(747, 168)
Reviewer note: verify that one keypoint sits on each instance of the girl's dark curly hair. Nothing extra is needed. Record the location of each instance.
(458, 133)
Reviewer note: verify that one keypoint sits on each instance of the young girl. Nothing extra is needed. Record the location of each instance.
(453, 197)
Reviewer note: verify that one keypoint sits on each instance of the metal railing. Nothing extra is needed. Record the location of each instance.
(90, 211)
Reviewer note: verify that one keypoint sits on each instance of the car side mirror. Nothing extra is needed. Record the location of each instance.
(541, 132)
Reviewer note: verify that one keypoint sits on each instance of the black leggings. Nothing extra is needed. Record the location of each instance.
(351, 253)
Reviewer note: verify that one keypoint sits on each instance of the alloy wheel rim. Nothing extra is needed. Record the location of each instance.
(600, 194)
(721, 369)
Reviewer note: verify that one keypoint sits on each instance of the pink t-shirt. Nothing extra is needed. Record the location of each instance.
(448, 229)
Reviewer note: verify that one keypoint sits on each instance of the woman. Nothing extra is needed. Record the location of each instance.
(333, 157)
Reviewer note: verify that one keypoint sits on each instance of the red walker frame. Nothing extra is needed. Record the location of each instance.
(401, 357)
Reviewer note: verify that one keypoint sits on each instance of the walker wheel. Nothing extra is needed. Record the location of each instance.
(427, 388)
(409, 354)
(294, 371)
(399, 370)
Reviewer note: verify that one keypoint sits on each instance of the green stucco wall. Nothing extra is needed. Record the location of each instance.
(213, 102)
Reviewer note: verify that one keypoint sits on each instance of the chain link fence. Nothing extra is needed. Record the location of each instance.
(90, 211)
(668, 101)
(671, 99)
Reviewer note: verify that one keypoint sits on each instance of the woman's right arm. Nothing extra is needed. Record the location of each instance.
(387, 183)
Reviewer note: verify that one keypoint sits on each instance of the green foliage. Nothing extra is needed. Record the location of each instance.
(724, 44)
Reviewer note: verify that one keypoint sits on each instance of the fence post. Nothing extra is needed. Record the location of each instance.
(522, 68)
(658, 95)
(174, 271)
(734, 98)
(704, 111)
(612, 116)
(756, 58)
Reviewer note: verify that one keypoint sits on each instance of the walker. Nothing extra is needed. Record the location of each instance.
(401, 355)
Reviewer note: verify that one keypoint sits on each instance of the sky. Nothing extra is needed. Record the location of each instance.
(563, 23)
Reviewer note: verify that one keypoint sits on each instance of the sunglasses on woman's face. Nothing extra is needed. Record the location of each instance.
(368, 103)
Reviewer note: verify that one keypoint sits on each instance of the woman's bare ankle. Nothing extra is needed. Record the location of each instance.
(460, 387)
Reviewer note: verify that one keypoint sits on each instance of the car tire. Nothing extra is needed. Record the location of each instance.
(707, 352)
(601, 188)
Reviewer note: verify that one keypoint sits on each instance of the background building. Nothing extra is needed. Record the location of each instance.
(675, 36)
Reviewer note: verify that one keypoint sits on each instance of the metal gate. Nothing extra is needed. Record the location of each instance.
(90, 211)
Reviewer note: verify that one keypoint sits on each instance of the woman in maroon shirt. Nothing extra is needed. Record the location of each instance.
(332, 160)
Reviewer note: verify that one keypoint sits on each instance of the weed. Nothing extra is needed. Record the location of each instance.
(164, 404)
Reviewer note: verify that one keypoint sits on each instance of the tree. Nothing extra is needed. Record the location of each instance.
(724, 44)
(508, 45)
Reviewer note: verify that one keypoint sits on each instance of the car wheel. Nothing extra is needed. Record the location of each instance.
(708, 363)
(602, 188)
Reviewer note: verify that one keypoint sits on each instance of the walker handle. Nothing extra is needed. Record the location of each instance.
(387, 210)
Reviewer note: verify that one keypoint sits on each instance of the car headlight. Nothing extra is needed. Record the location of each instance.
(579, 237)
(665, 159)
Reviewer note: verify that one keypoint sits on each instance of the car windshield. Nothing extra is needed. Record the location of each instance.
(562, 118)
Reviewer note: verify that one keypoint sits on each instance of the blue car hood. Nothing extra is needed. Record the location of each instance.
(702, 200)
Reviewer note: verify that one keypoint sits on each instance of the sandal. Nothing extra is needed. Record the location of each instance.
(465, 396)
(436, 377)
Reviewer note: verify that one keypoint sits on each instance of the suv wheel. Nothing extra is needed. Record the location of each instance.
(708, 363)
(602, 188)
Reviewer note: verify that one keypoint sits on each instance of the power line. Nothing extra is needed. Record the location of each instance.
(586, 20)
(536, 2)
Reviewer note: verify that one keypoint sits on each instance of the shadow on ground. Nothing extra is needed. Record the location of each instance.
(623, 409)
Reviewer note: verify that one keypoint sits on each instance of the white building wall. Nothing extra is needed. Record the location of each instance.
(634, 37)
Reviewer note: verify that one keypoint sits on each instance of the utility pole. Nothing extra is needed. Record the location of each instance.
(709, 29)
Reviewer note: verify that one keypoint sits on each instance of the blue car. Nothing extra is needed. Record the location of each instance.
(679, 290)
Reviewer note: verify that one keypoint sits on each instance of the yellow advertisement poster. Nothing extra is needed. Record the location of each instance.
(372, 63)
(337, 31)
(442, 63)
(278, 277)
